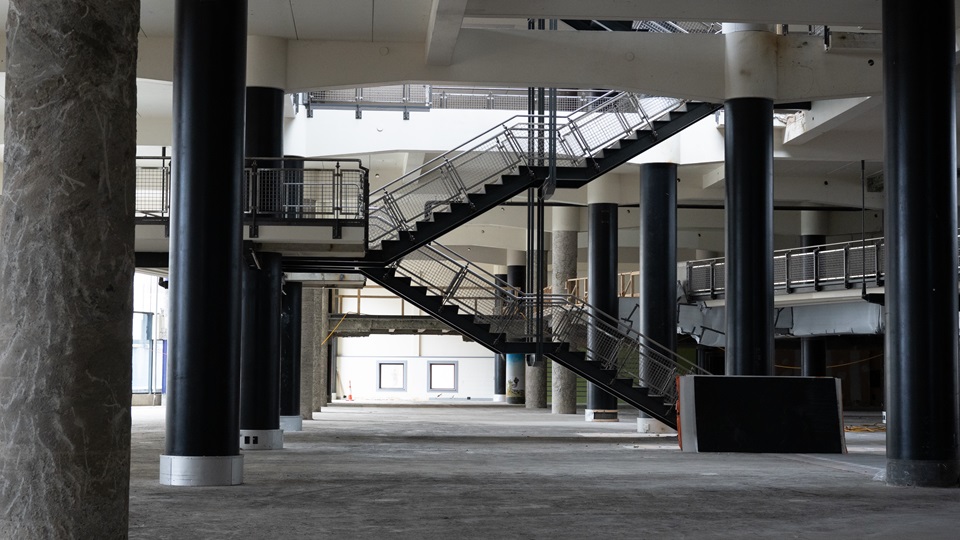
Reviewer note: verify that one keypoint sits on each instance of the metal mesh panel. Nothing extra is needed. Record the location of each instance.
(152, 191)
(382, 94)
(831, 266)
(605, 339)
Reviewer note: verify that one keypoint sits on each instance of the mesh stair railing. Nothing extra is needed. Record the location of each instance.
(505, 150)
(571, 326)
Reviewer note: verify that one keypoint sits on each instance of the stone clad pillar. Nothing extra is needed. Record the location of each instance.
(566, 226)
(308, 332)
(66, 269)
(321, 348)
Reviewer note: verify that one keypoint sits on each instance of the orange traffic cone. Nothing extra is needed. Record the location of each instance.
(349, 391)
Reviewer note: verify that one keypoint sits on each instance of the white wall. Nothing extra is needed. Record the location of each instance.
(359, 358)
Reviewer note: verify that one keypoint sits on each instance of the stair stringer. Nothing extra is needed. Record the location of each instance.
(467, 326)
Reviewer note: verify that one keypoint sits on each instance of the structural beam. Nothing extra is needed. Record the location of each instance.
(446, 18)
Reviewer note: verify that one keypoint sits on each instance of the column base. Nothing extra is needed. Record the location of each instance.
(516, 400)
(499, 397)
(201, 470)
(923, 473)
(652, 425)
(291, 423)
(261, 439)
(601, 415)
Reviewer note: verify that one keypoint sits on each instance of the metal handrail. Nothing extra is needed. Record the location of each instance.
(503, 149)
(488, 299)
(844, 264)
(320, 189)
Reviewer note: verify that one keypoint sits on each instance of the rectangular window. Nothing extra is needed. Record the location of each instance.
(443, 376)
(392, 376)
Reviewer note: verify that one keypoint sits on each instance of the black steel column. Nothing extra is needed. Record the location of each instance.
(264, 139)
(657, 287)
(813, 350)
(602, 290)
(290, 347)
(205, 239)
(514, 368)
(500, 364)
(922, 385)
(749, 238)
(657, 314)
(260, 355)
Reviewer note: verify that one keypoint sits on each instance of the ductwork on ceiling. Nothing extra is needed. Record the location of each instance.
(707, 324)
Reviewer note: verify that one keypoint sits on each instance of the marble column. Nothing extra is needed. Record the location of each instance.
(66, 269)
(308, 332)
(566, 224)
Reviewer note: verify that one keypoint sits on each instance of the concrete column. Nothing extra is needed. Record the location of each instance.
(260, 356)
(657, 287)
(202, 428)
(751, 68)
(813, 350)
(515, 371)
(308, 332)
(923, 412)
(602, 246)
(564, 249)
(66, 269)
(291, 305)
(321, 350)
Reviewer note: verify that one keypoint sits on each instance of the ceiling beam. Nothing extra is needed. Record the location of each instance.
(863, 13)
(446, 18)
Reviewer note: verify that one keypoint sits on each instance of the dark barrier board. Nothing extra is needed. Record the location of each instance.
(760, 414)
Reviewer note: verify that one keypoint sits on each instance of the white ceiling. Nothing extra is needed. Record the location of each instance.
(833, 156)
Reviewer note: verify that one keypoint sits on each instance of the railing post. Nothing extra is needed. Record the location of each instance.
(846, 266)
(254, 199)
(878, 261)
(786, 272)
(712, 279)
(816, 269)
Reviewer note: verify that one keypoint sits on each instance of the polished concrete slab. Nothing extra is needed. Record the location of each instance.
(452, 471)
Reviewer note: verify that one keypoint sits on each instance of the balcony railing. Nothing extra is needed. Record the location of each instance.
(275, 190)
(840, 265)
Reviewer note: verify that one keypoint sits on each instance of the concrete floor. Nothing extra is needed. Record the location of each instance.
(501, 471)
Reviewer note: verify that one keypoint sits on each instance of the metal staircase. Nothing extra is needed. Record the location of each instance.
(407, 215)
(604, 350)
(502, 162)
